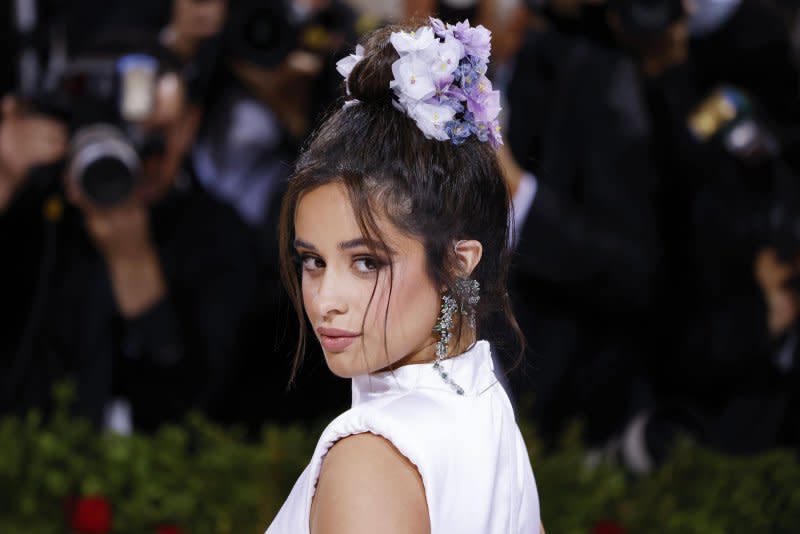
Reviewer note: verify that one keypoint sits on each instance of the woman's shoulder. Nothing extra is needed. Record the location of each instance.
(366, 472)
(407, 421)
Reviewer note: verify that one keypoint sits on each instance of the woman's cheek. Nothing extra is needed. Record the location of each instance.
(377, 308)
(308, 290)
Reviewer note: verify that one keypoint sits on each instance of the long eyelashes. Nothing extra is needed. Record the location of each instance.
(362, 264)
(310, 262)
(368, 264)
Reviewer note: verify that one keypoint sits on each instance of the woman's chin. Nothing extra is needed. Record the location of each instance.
(344, 364)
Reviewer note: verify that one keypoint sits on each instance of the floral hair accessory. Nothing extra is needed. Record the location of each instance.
(345, 66)
(440, 81)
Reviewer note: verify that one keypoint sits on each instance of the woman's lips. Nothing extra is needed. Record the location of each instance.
(335, 340)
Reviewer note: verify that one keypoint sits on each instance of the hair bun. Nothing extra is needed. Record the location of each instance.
(369, 79)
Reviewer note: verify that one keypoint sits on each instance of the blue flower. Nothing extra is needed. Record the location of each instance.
(481, 130)
(458, 131)
(466, 75)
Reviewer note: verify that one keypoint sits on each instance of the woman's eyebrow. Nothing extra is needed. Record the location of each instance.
(299, 243)
(371, 244)
(347, 245)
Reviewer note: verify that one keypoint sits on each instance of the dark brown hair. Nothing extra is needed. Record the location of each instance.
(436, 191)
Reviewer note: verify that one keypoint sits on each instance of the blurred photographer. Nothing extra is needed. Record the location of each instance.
(192, 23)
(583, 272)
(27, 139)
(274, 75)
(722, 91)
(123, 273)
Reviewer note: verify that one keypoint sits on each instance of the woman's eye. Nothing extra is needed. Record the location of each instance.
(311, 263)
(367, 265)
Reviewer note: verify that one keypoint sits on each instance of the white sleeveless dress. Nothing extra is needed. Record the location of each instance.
(468, 448)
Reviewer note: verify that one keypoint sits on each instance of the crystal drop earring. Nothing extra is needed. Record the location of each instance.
(443, 328)
(468, 292)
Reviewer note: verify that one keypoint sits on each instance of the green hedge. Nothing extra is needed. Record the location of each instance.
(202, 479)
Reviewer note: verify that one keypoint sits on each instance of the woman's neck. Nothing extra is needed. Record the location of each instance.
(426, 353)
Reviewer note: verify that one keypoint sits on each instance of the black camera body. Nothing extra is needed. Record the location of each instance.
(103, 100)
(260, 31)
(729, 119)
(265, 32)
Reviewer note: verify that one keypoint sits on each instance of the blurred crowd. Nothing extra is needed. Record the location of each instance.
(649, 146)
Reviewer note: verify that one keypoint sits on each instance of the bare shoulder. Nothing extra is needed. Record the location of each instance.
(366, 485)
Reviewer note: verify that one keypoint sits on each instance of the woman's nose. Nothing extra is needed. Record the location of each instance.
(331, 296)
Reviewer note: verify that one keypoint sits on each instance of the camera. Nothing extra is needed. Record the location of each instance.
(265, 32)
(103, 101)
(730, 120)
(729, 117)
(261, 32)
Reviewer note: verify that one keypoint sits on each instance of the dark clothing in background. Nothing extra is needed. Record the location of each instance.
(176, 356)
(582, 278)
(82, 22)
(715, 353)
(8, 51)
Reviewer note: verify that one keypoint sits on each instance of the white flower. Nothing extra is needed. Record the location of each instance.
(431, 118)
(446, 57)
(412, 78)
(345, 65)
(413, 42)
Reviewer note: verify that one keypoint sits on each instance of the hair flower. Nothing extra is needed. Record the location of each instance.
(440, 81)
(412, 77)
(418, 41)
(446, 58)
(345, 65)
(477, 41)
(432, 119)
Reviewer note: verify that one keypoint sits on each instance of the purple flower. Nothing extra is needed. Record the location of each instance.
(443, 83)
(477, 41)
(439, 27)
(482, 101)
(494, 134)
(485, 109)
(479, 89)
(457, 131)
(444, 100)
(440, 81)
(451, 92)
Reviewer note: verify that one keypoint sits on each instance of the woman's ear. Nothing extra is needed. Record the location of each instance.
(468, 255)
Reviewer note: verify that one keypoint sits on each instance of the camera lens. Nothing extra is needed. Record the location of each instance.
(104, 164)
(260, 34)
(107, 181)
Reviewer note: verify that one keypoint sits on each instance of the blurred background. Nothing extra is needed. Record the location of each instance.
(651, 147)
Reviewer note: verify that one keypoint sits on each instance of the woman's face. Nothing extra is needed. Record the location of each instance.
(346, 288)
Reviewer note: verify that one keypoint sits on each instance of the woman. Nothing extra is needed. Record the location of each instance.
(394, 242)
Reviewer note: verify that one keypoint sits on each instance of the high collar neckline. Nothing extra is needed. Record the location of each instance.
(473, 370)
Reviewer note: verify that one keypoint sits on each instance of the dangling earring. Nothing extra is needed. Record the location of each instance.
(468, 292)
(443, 327)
